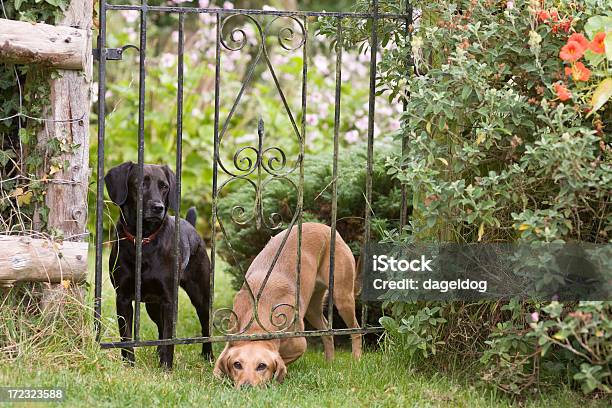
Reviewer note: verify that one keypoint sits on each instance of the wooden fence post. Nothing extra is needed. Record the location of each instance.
(68, 114)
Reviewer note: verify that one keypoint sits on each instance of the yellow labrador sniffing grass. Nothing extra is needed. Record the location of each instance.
(255, 362)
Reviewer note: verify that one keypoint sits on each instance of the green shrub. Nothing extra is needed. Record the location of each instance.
(417, 331)
(572, 340)
(499, 152)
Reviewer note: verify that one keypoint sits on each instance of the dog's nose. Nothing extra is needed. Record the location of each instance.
(245, 385)
(157, 208)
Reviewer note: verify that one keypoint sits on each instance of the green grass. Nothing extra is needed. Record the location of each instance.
(377, 380)
(94, 377)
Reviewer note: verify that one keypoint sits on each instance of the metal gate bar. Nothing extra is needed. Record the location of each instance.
(371, 110)
(334, 211)
(264, 336)
(142, 76)
(179, 167)
(252, 12)
(222, 15)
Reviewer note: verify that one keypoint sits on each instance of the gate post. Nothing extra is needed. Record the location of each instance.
(68, 124)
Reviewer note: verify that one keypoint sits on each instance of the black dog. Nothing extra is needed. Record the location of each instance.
(159, 194)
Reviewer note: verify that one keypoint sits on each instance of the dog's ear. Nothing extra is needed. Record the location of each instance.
(281, 370)
(221, 366)
(116, 181)
(171, 177)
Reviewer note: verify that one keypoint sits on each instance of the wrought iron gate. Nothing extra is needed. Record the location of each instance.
(270, 163)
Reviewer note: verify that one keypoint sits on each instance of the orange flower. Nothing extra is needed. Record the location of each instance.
(580, 39)
(597, 45)
(572, 51)
(579, 72)
(562, 92)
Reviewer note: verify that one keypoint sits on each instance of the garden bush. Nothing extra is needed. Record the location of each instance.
(508, 139)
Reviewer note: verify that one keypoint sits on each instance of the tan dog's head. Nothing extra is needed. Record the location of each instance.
(251, 363)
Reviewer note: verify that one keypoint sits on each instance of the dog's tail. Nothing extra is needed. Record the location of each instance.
(191, 216)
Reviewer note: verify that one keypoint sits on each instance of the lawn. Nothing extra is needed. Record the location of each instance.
(94, 377)
(377, 380)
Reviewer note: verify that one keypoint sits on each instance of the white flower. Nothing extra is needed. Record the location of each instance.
(166, 60)
(352, 136)
(130, 16)
(362, 123)
(206, 18)
(312, 120)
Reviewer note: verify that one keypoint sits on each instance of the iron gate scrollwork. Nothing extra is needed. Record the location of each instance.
(256, 165)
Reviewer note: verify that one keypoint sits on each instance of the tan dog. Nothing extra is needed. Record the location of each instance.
(258, 361)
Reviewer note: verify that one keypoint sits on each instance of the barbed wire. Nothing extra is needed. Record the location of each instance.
(43, 119)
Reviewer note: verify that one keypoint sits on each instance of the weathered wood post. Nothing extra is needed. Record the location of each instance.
(66, 46)
(66, 193)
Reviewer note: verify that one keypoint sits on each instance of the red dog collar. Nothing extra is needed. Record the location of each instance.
(145, 240)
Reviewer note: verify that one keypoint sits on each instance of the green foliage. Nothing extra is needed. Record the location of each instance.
(490, 146)
(394, 59)
(495, 155)
(281, 197)
(49, 11)
(572, 339)
(585, 334)
(417, 331)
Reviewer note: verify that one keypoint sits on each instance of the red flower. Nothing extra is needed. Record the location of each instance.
(579, 72)
(572, 51)
(562, 92)
(554, 15)
(543, 15)
(565, 25)
(597, 45)
(580, 39)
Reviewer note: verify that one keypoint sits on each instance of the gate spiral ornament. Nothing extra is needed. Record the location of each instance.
(258, 165)
(268, 166)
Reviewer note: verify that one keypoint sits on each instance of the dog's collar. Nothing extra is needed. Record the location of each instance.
(145, 240)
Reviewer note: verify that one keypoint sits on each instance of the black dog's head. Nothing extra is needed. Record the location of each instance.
(158, 191)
